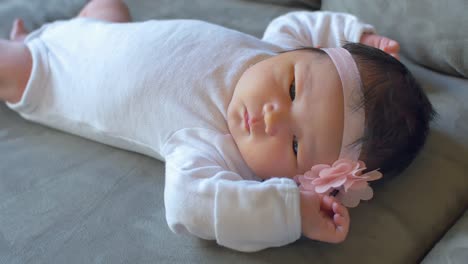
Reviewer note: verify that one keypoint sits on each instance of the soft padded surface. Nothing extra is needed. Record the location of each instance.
(64, 199)
(453, 248)
(36, 12)
(432, 33)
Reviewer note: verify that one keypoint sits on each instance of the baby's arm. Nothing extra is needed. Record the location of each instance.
(315, 29)
(205, 199)
(248, 215)
(324, 29)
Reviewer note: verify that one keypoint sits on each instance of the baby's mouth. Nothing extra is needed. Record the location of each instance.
(246, 120)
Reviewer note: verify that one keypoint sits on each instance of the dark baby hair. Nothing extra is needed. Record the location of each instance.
(397, 110)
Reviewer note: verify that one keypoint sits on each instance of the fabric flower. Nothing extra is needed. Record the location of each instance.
(343, 175)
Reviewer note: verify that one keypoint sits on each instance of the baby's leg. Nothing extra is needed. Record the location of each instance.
(18, 31)
(109, 10)
(15, 58)
(15, 68)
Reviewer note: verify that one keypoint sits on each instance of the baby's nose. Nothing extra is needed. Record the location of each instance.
(273, 117)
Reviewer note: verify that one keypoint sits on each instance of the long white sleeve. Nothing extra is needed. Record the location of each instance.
(315, 29)
(205, 196)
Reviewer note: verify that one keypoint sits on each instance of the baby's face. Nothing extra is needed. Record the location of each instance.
(286, 114)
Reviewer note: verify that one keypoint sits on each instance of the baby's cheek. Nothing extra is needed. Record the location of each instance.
(268, 166)
(269, 157)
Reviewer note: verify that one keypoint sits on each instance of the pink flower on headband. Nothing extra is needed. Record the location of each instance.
(343, 175)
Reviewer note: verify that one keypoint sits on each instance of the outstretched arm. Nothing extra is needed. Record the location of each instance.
(204, 198)
(315, 29)
(324, 29)
(244, 215)
(249, 215)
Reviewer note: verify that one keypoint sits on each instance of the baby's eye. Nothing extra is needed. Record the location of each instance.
(295, 145)
(292, 90)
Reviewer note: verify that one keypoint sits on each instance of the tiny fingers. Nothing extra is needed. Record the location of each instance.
(334, 221)
(391, 47)
(341, 220)
(339, 209)
(394, 45)
(327, 203)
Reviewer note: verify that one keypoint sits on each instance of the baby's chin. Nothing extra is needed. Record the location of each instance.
(266, 176)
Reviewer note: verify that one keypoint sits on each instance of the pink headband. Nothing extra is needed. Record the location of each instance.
(344, 178)
(353, 128)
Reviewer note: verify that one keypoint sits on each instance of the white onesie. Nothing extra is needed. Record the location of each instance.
(162, 88)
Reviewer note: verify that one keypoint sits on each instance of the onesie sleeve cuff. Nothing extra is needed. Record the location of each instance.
(265, 215)
(35, 87)
(294, 221)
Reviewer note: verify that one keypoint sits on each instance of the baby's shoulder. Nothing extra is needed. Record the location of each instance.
(195, 148)
(198, 142)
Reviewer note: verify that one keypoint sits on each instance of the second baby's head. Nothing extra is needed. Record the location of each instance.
(287, 112)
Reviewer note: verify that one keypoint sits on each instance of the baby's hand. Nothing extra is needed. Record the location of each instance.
(323, 218)
(388, 45)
